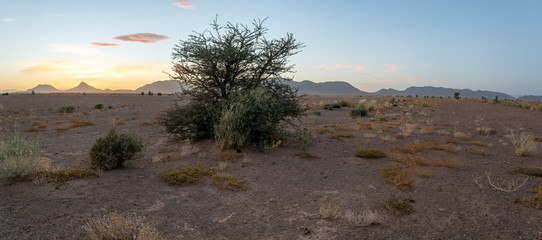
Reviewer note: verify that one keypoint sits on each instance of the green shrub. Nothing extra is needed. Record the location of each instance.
(328, 106)
(113, 149)
(110, 107)
(67, 109)
(194, 121)
(254, 117)
(159, 94)
(99, 106)
(19, 157)
(358, 112)
(540, 108)
(337, 106)
(316, 113)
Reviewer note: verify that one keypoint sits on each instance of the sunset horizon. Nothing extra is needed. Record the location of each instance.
(484, 45)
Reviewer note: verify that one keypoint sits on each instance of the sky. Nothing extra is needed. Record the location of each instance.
(491, 45)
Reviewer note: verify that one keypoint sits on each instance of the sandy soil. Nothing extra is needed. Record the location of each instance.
(285, 191)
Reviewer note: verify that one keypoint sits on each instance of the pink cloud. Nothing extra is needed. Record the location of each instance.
(142, 38)
(104, 44)
(392, 68)
(360, 74)
(7, 19)
(186, 4)
(357, 67)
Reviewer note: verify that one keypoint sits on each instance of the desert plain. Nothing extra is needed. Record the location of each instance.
(456, 157)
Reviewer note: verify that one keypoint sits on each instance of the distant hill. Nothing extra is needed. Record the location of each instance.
(84, 88)
(325, 88)
(43, 88)
(441, 92)
(166, 86)
(531, 98)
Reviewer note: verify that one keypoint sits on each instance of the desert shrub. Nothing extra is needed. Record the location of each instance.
(67, 109)
(110, 107)
(540, 108)
(524, 144)
(316, 113)
(330, 211)
(229, 182)
(19, 156)
(328, 106)
(396, 175)
(194, 121)
(159, 94)
(400, 206)
(113, 149)
(120, 226)
(358, 112)
(240, 68)
(345, 103)
(337, 106)
(99, 106)
(254, 117)
(181, 176)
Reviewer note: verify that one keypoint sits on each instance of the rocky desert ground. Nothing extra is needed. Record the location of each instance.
(451, 171)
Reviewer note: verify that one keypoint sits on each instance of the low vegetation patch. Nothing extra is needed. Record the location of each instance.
(400, 206)
(370, 153)
(67, 109)
(420, 146)
(397, 175)
(330, 211)
(423, 172)
(413, 161)
(99, 106)
(229, 182)
(536, 199)
(502, 185)
(358, 112)
(74, 123)
(181, 176)
(482, 152)
(120, 226)
(306, 154)
(537, 172)
(113, 149)
(19, 156)
(478, 143)
(522, 142)
(228, 157)
(341, 135)
(63, 175)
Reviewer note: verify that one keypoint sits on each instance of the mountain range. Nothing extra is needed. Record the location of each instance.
(337, 88)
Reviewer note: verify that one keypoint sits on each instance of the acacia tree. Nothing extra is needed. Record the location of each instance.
(218, 66)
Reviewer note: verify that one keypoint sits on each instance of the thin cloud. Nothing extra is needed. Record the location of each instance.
(104, 44)
(392, 68)
(357, 67)
(73, 49)
(186, 4)
(8, 19)
(142, 38)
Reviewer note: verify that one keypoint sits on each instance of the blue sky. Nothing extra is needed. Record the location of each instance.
(487, 45)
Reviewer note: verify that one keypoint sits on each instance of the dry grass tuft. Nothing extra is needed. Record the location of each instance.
(62, 175)
(147, 123)
(537, 172)
(407, 129)
(536, 199)
(420, 146)
(74, 123)
(306, 154)
(523, 143)
(397, 175)
(369, 153)
(120, 226)
(341, 135)
(229, 182)
(413, 161)
(330, 211)
(181, 176)
(482, 152)
(400, 206)
(478, 143)
(228, 157)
